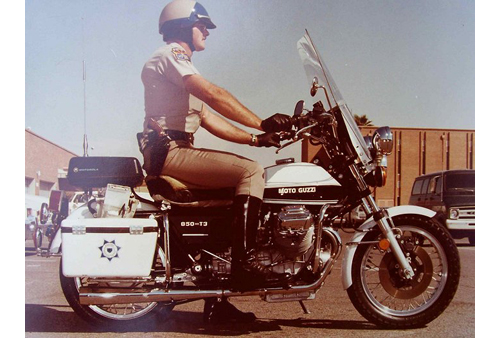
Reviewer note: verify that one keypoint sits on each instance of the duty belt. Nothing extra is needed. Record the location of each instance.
(176, 135)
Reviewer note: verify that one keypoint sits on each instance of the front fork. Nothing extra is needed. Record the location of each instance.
(385, 224)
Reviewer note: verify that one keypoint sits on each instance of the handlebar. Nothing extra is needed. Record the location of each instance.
(302, 124)
(299, 122)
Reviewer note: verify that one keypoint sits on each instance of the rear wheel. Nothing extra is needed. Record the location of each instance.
(123, 315)
(382, 294)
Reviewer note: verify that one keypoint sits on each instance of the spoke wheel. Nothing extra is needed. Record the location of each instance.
(114, 314)
(388, 289)
(384, 296)
(118, 311)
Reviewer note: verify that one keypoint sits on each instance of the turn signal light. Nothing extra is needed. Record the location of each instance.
(384, 244)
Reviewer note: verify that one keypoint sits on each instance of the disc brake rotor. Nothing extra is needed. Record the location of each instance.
(396, 285)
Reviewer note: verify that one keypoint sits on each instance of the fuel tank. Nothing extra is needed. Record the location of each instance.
(303, 183)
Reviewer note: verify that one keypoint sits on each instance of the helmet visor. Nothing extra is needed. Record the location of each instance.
(199, 13)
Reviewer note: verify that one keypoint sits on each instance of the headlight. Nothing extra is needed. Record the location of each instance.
(382, 140)
(454, 213)
(377, 177)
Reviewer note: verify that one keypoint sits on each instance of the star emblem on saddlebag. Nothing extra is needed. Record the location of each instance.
(109, 250)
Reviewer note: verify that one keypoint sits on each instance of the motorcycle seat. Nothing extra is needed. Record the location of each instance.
(166, 188)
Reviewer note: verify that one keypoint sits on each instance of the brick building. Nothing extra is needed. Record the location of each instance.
(416, 152)
(44, 164)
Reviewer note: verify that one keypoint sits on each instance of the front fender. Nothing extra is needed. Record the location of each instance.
(352, 245)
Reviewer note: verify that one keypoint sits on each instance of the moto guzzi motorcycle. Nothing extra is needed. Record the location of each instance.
(130, 257)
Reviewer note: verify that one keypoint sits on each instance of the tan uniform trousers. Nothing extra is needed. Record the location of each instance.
(211, 169)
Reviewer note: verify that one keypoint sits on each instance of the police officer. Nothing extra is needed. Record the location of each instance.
(177, 99)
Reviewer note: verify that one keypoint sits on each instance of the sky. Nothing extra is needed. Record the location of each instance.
(402, 63)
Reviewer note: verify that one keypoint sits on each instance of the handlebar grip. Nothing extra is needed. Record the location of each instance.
(296, 120)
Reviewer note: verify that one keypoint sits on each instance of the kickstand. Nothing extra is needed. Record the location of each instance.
(306, 311)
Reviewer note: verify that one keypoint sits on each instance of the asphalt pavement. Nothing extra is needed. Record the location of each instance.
(47, 313)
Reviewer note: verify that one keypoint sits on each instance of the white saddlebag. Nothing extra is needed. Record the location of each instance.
(108, 247)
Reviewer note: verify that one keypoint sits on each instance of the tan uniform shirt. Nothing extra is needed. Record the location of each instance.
(168, 102)
(166, 99)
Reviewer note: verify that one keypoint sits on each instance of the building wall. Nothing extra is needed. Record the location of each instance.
(416, 152)
(43, 161)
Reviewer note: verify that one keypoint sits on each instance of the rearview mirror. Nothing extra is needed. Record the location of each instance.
(299, 107)
(314, 87)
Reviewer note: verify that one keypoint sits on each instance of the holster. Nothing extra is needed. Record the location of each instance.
(155, 149)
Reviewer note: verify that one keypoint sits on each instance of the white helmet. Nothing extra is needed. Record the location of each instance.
(183, 14)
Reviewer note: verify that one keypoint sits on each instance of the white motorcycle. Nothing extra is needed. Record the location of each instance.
(129, 258)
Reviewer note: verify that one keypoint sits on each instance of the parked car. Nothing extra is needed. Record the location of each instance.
(452, 193)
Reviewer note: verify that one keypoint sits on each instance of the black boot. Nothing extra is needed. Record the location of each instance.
(246, 272)
(221, 312)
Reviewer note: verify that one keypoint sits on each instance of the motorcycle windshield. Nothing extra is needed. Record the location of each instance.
(316, 69)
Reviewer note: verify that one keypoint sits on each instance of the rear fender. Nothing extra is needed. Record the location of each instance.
(352, 245)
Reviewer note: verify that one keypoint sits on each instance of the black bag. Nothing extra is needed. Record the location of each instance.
(98, 172)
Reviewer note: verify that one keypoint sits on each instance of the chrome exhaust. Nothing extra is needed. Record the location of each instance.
(93, 298)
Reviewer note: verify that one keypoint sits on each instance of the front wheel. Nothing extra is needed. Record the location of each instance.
(382, 294)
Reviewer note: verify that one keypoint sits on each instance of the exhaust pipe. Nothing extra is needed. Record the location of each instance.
(94, 298)
(179, 295)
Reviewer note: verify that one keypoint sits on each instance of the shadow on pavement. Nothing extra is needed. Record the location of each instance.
(52, 318)
(61, 318)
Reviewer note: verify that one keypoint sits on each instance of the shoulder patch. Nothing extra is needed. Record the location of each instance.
(180, 54)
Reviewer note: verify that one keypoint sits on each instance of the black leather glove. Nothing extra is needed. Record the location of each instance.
(268, 140)
(277, 122)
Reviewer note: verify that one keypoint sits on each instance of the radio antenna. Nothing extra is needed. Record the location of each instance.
(85, 141)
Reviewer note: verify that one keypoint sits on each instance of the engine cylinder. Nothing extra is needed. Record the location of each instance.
(294, 230)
